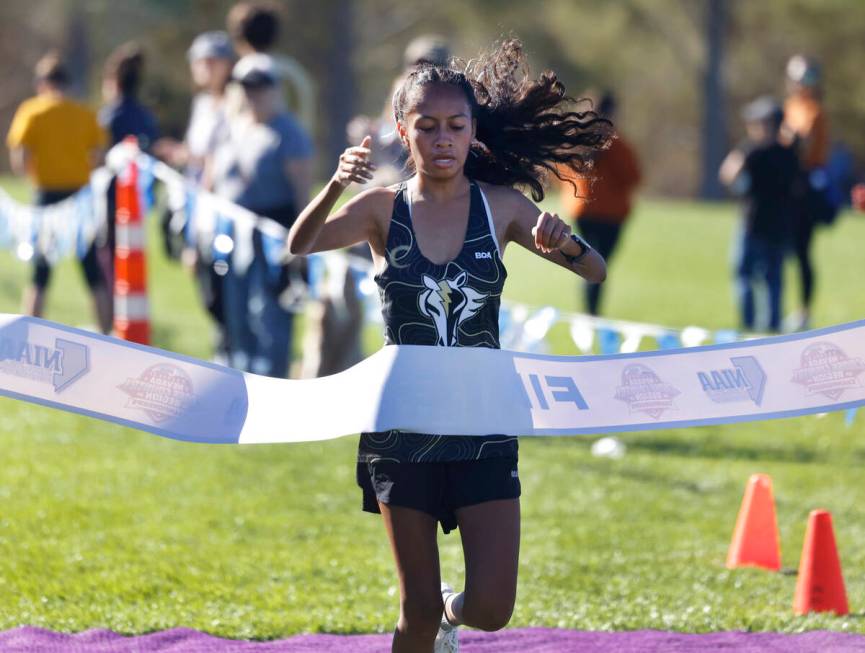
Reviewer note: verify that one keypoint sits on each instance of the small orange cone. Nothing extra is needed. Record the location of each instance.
(755, 540)
(820, 586)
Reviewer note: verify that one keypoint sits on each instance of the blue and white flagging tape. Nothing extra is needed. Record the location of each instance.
(460, 391)
(216, 225)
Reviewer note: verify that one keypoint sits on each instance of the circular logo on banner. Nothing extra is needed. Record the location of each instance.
(162, 391)
(827, 370)
(644, 391)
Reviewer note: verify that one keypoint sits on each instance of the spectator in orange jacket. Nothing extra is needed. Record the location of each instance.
(806, 128)
(601, 203)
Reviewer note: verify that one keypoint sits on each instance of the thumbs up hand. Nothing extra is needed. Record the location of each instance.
(354, 164)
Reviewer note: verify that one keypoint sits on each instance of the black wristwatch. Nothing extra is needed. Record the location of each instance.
(586, 248)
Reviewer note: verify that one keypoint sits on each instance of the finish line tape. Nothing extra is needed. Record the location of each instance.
(441, 390)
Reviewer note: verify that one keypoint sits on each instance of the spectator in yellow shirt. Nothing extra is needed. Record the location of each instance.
(56, 142)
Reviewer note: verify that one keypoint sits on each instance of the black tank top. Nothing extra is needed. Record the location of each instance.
(455, 304)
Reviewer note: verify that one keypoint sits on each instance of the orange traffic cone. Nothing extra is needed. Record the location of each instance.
(755, 540)
(820, 586)
(131, 310)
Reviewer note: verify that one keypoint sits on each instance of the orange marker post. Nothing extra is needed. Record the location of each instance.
(755, 539)
(131, 310)
(820, 586)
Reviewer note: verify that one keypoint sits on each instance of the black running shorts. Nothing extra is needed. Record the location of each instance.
(437, 488)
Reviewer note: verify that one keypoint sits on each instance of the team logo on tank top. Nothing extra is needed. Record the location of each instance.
(449, 303)
(453, 304)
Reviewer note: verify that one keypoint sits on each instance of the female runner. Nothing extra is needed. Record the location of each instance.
(437, 240)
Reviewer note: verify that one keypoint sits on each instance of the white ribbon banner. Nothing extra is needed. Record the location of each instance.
(466, 391)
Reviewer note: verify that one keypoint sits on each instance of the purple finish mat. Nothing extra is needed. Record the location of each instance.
(543, 640)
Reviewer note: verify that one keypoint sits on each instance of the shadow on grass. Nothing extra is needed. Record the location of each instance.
(702, 449)
(784, 452)
(719, 447)
(645, 476)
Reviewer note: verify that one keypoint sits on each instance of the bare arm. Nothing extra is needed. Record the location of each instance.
(317, 230)
(731, 168)
(175, 153)
(548, 236)
(18, 158)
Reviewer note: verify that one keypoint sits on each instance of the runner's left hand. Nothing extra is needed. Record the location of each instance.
(550, 232)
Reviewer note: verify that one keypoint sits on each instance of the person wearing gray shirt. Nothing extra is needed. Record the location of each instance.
(264, 165)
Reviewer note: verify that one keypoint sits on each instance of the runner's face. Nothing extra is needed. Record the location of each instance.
(438, 131)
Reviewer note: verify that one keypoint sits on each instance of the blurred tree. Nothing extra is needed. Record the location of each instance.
(714, 143)
(338, 86)
(76, 46)
(654, 53)
(27, 30)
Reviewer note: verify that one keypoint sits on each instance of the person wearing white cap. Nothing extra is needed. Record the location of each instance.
(211, 58)
(254, 28)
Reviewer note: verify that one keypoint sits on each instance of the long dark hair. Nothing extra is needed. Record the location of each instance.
(525, 127)
(125, 66)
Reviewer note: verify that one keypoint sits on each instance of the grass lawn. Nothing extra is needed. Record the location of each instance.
(102, 526)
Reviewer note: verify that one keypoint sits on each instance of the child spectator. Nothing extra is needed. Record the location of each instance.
(765, 173)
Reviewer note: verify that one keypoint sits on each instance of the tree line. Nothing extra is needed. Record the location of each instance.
(682, 68)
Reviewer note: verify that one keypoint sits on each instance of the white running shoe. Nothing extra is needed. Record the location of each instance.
(447, 639)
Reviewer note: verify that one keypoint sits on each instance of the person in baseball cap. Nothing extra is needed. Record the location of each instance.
(804, 71)
(211, 45)
(764, 172)
(211, 58)
(427, 49)
(806, 127)
(764, 109)
(255, 71)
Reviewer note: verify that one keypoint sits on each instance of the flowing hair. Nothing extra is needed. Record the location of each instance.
(526, 128)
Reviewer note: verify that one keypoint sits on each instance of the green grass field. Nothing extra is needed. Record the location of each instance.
(102, 526)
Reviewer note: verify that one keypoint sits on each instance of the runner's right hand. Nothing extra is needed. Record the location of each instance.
(354, 164)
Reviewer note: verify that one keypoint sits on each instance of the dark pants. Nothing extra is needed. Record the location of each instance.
(211, 290)
(259, 328)
(758, 261)
(89, 264)
(803, 234)
(602, 236)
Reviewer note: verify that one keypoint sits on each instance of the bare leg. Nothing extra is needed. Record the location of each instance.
(491, 545)
(412, 535)
(34, 301)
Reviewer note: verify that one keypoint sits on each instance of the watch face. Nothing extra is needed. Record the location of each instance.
(583, 251)
(582, 243)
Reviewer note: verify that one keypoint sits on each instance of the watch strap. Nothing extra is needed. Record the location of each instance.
(582, 243)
